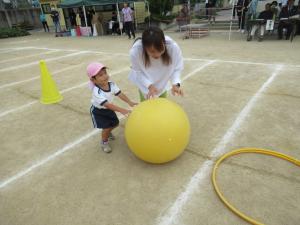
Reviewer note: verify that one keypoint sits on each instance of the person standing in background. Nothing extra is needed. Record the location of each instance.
(97, 23)
(128, 20)
(55, 17)
(44, 21)
(73, 18)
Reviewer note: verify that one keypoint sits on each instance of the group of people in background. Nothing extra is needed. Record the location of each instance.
(281, 12)
(94, 20)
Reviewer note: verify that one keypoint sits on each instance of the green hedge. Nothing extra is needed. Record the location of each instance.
(12, 32)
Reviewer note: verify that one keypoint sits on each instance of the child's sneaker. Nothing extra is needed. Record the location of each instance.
(106, 147)
(111, 137)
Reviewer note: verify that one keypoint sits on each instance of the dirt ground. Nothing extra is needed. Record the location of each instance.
(237, 94)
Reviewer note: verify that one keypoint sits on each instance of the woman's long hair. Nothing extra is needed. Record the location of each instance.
(154, 37)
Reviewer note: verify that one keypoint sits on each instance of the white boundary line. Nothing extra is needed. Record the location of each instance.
(37, 77)
(49, 158)
(28, 56)
(63, 91)
(241, 62)
(36, 62)
(186, 59)
(23, 41)
(175, 211)
(8, 50)
(90, 51)
(199, 69)
(74, 143)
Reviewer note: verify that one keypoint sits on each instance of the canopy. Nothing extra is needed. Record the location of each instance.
(78, 3)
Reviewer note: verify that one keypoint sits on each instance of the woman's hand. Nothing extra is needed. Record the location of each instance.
(176, 90)
(152, 91)
(132, 104)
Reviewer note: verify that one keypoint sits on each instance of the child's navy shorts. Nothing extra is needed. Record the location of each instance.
(104, 118)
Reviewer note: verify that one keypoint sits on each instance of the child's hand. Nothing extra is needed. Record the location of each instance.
(152, 91)
(176, 90)
(132, 104)
(125, 112)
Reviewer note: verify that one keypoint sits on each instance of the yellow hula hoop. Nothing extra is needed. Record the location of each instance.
(239, 151)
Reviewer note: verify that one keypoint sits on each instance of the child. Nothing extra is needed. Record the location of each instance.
(102, 110)
(156, 60)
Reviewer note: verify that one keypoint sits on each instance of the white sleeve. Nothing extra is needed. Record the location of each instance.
(98, 98)
(136, 74)
(178, 62)
(115, 89)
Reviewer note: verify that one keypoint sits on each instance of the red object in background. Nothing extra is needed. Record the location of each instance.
(78, 33)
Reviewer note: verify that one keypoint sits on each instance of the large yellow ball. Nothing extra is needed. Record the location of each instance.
(157, 130)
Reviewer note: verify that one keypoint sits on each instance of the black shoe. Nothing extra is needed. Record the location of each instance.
(260, 39)
(249, 38)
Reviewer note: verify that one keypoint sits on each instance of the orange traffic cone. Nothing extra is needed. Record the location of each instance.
(50, 93)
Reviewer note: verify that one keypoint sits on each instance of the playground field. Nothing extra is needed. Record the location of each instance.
(237, 94)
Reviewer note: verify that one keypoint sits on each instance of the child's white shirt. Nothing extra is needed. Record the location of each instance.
(100, 96)
(157, 73)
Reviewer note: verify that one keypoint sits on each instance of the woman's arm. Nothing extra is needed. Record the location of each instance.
(136, 74)
(177, 60)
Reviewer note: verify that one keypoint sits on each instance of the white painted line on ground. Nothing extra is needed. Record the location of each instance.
(36, 62)
(18, 108)
(8, 50)
(60, 49)
(22, 107)
(28, 56)
(186, 59)
(242, 62)
(89, 51)
(19, 82)
(231, 132)
(195, 71)
(174, 212)
(23, 41)
(49, 158)
(199, 69)
(37, 77)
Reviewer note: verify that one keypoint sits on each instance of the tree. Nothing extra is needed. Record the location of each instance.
(160, 7)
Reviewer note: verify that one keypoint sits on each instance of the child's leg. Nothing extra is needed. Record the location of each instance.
(106, 132)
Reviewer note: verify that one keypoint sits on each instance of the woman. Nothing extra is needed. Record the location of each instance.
(155, 60)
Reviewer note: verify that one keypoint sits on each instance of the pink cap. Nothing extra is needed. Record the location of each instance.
(92, 70)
